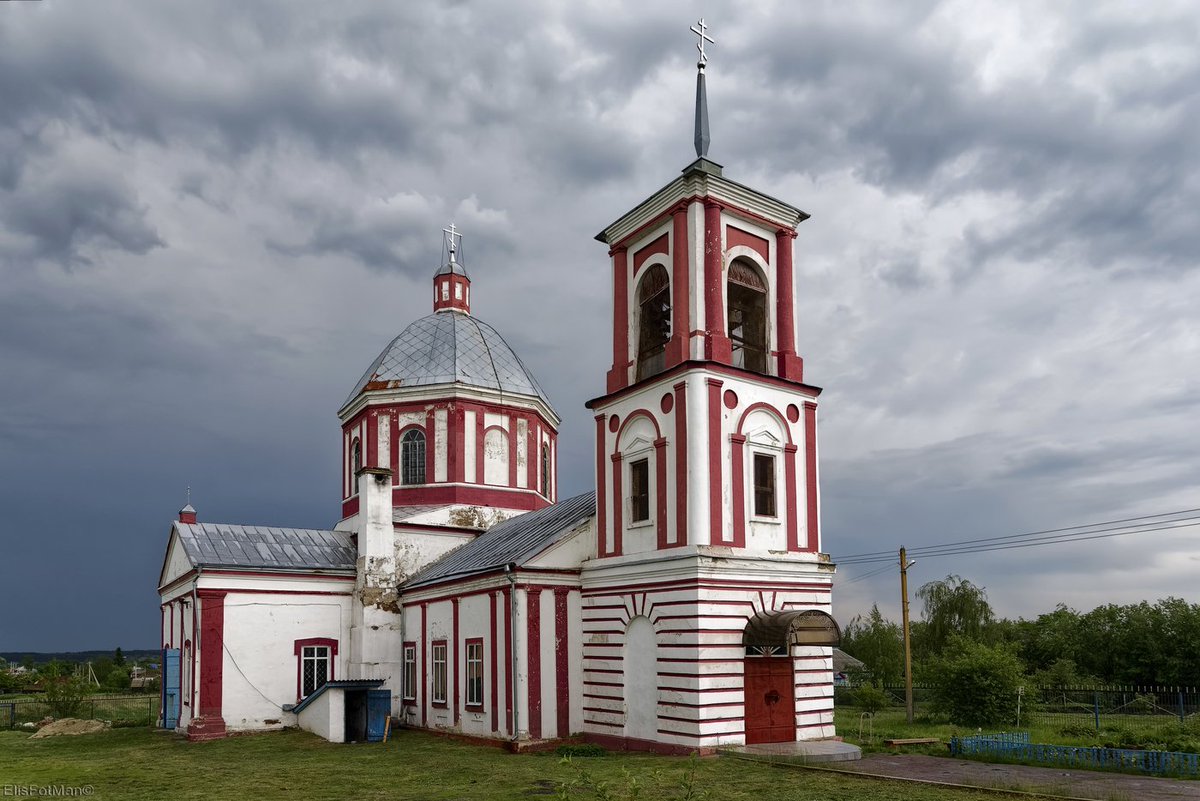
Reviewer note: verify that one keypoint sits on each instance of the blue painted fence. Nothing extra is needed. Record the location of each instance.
(1016, 746)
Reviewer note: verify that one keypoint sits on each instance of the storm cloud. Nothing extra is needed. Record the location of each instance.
(213, 217)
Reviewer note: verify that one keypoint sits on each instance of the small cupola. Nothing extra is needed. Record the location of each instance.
(451, 284)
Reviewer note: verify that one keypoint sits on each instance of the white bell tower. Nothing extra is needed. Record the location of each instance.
(708, 510)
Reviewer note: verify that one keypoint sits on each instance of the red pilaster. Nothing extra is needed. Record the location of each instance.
(562, 687)
(810, 474)
(681, 455)
(737, 476)
(790, 365)
(677, 347)
(456, 456)
(618, 503)
(371, 446)
(480, 432)
(209, 724)
(430, 446)
(660, 478)
(789, 472)
(618, 376)
(716, 524)
(717, 346)
(601, 505)
(534, 657)
(455, 654)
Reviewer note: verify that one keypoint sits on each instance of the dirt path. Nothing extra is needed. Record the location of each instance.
(1055, 781)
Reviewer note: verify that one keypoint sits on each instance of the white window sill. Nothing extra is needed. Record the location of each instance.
(768, 521)
(640, 524)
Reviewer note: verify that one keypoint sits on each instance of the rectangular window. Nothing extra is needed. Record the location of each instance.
(475, 673)
(439, 672)
(314, 668)
(458, 291)
(410, 671)
(764, 485)
(445, 290)
(639, 490)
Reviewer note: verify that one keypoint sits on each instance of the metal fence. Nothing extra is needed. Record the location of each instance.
(121, 710)
(1017, 746)
(1079, 709)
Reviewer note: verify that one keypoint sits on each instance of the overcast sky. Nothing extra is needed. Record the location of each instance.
(214, 215)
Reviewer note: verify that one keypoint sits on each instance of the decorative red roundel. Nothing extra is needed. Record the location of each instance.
(792, 412)
(667, 403)
(730, 399)
(614, 423)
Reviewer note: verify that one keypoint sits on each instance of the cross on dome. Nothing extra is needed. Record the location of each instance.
(451, 233)
(704, 37)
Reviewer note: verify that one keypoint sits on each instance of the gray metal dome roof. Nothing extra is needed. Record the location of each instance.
(452, 267)
(448, 347)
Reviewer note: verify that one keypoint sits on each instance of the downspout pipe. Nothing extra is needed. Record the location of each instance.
(511, 575)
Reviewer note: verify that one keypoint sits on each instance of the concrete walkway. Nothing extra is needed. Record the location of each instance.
(1080, 784)
(806, 752)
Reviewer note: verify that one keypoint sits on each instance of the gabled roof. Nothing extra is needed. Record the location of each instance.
(266, 547)
(515, 541)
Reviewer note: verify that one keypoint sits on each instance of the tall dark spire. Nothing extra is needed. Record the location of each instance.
(702, 137)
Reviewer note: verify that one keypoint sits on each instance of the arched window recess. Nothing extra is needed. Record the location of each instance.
(654, 321)
(412, 457)
(747, 300)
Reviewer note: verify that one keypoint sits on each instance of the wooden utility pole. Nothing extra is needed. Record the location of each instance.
(908, 690)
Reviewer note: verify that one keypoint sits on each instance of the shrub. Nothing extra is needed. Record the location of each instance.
(977, 684)
(871, 699)
(65, 695)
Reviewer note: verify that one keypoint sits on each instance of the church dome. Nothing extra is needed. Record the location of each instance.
(448, 347)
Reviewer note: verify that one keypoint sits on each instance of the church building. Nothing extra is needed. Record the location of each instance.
(680, 605)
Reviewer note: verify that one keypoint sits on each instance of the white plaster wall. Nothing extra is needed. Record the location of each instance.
(383, 436)
(495, 457)
(415, 548)
(326, 716)
(522, 453)
(259, 669)
(441, 444)
(475, 620)
(548, 691)
(469, 447)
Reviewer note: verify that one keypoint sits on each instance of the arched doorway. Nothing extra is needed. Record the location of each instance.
(769, 680)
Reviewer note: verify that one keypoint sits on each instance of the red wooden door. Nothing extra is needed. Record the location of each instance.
(770, 699)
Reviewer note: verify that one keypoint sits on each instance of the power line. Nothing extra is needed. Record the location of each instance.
(953, 549)
(844, 559)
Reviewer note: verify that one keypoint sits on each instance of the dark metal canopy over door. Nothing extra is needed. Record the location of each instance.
(768, 631)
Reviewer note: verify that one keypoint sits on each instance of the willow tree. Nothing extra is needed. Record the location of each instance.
(953, 606)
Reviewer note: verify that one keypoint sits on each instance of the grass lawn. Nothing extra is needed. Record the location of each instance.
(132, 764)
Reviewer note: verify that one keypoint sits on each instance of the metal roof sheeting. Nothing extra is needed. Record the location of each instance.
(515, 541)
(450, 347)
(270, 547)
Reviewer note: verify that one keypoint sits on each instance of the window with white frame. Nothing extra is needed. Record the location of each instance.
(410, 671)
(314, 668)
(764, 485)
(412, 457)
(438, 662)
(639, 490)
(475, 672)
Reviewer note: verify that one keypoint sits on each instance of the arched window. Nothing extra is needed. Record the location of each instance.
(747, 317)
(495, 457)
(355, 464)
(546, 470)
(412, 457)
(654, 321)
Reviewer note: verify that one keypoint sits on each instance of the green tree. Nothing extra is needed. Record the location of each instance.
(878, 643)
(952, 606)
(118, 657)
(977, 684)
